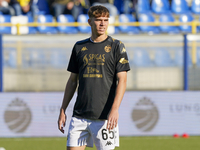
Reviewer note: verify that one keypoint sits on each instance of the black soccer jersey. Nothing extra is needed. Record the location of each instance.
(97, 65)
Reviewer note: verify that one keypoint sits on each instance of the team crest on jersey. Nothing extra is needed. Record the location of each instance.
(84, 48)
(107, 48)
(123, 61)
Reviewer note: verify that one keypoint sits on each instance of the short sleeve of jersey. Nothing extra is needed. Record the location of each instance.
(122, 63)
(73, 64)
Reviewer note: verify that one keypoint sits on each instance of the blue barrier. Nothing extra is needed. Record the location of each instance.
(185, 64)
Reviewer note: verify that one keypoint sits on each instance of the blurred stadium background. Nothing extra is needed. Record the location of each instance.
(162, 97)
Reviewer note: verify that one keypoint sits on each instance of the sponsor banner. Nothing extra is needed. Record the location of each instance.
(160, 113)
(31, 114)
(140, 114)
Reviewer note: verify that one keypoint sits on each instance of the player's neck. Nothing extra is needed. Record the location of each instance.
(98, 38)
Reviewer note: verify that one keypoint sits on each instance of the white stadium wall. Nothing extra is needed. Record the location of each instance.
(141, 114)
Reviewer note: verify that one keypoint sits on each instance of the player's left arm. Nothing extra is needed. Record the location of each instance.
(121, 88)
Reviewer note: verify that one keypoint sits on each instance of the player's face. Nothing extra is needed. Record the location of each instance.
(99, 25)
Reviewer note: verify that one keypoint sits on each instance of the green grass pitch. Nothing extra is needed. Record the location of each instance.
(126, 143)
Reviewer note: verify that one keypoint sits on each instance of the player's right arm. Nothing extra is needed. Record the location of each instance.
(69, 92)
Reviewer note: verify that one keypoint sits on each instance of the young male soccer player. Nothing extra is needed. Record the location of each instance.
(100, 65)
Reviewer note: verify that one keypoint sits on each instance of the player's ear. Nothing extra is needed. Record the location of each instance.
(89, 22)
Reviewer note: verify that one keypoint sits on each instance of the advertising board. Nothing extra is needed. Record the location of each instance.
(140, 114)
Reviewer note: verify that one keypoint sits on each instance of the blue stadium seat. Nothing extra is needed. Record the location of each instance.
(141, 58)
(83, 18)
(46, 29)
(148, 17)
(66, 29)
(168, 17)
(12, 59)
(186, 18)
(112, 29)
(143, 6)
(32, 30)
(160, 6)
(58, 59)
(195, 6)
(178, 58)
(127, 18)
(179, 6)
(162, 58)
(37, 58)
(5, 19)
(26, 59)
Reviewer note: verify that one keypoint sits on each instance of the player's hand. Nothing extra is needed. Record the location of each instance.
(112, 119)
(61, 121)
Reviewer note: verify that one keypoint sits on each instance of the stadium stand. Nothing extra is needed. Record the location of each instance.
(162, 58)
(126, 18)
(66, 29)
(32, 30)
(22, 20)
(198, 57)
(141, 58)
(148, 55)
(179, 6)
(26, 59)
(158, 10)
(37, 58)
(178, 58)
(5, 19)
(112, 29)
(148, 17)
(12, 59)
(83, 18)
(160, 6)
(195, 7)
(187, 17)
(5, 59)
(168, 17)
(58, 60)
(147, 11)
(46, 29)
(143, 6)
